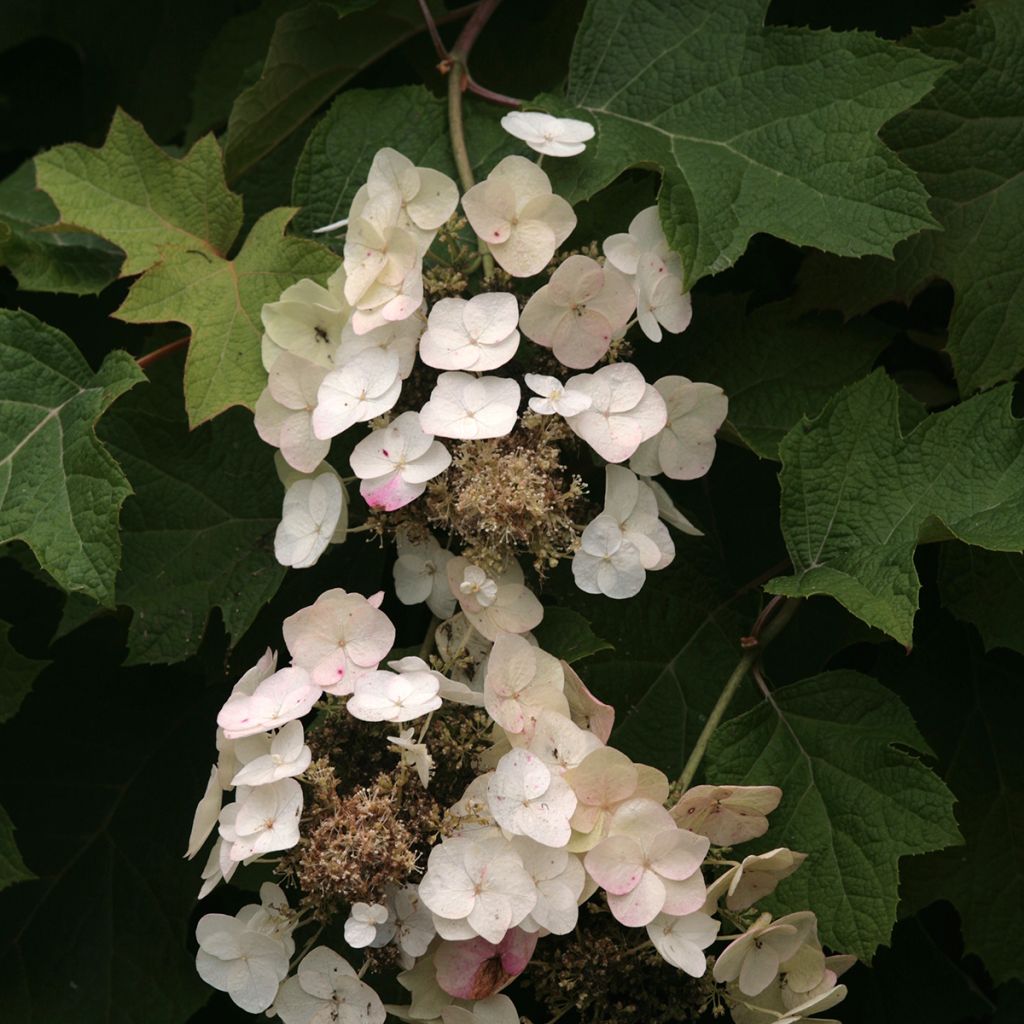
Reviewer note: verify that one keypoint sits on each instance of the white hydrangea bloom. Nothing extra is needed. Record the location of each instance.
(727, 815)
(625, 541)
(415, 755)
(682, 940)
(264, 819)
(527, 799)
(396, 462)
(520, 683)
(284, 412)
(286, 695)
(516, 214)
(554, 397)
(513, 608)
(478, 334)
(552, 136)
(476, 583)
(668, 512)
(496, 1009)
(426, 197)
(366, 386)
(367, 925)
(606, 562)
(625, 410)
(383, 264)
(643, 252)
(420, 573)
(559, 742)
(757, 876)
(414, 924)
(477, 887)
(394, 697)
(308, 321)
(580, 311)
(647, 865)
(269, 758)
(248, 965)
(685, 448)
(560, 880)
(753, 960)
(469, 408)
(205, 818)
(401, 337)
(326, 988)
(338, 638)
(314, 512)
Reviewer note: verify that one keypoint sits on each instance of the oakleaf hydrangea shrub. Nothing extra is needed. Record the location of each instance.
(457, 819)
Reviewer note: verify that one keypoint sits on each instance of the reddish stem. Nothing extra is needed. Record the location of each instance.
(165, 350)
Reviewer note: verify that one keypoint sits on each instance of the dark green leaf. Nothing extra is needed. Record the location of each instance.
(198, 533)
(753, 129)
(567, 635)
(966, 140)
(985, 588)
(101, 937)
(775, 366)
(341, 148)
(314, 51)
(60, 490)
(43, 259)
(852, 801)
(858, 494)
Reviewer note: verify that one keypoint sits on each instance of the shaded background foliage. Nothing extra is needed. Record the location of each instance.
(107, 711)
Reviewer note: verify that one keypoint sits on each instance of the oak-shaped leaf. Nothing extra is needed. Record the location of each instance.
(855, 799)
(859, 492)
(176, 221)
(60, 489)
(754, 129)
(965, 140)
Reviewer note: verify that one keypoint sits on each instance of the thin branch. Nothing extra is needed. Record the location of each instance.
(435, 37)
(165, 350)
(489, 94)
(772, 620)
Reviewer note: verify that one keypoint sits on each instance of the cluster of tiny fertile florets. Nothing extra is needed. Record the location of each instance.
(353, 848)
(508, 496)
(604, 976)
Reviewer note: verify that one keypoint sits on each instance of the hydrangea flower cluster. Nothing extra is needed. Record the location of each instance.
(450, 810)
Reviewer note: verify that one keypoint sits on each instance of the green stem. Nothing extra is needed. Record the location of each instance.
(458, 75)
(766, 629)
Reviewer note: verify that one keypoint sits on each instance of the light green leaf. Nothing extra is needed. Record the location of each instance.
(133, 194)
(60, 490)
(858, 494)
(754, 129)
(198, 533)
(985, 588)
(41, 258)
(17, 673)
(852, 801)
(314, 51)
(176, 220)
(774, 365)
(221, 301)
(567, 635)
(966, 141)
(410, 119)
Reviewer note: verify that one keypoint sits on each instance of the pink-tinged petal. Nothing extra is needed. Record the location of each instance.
(677, 854)
(390, 492)
(640, 905)
(686, 896)
(476, 969)
(616, 864)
